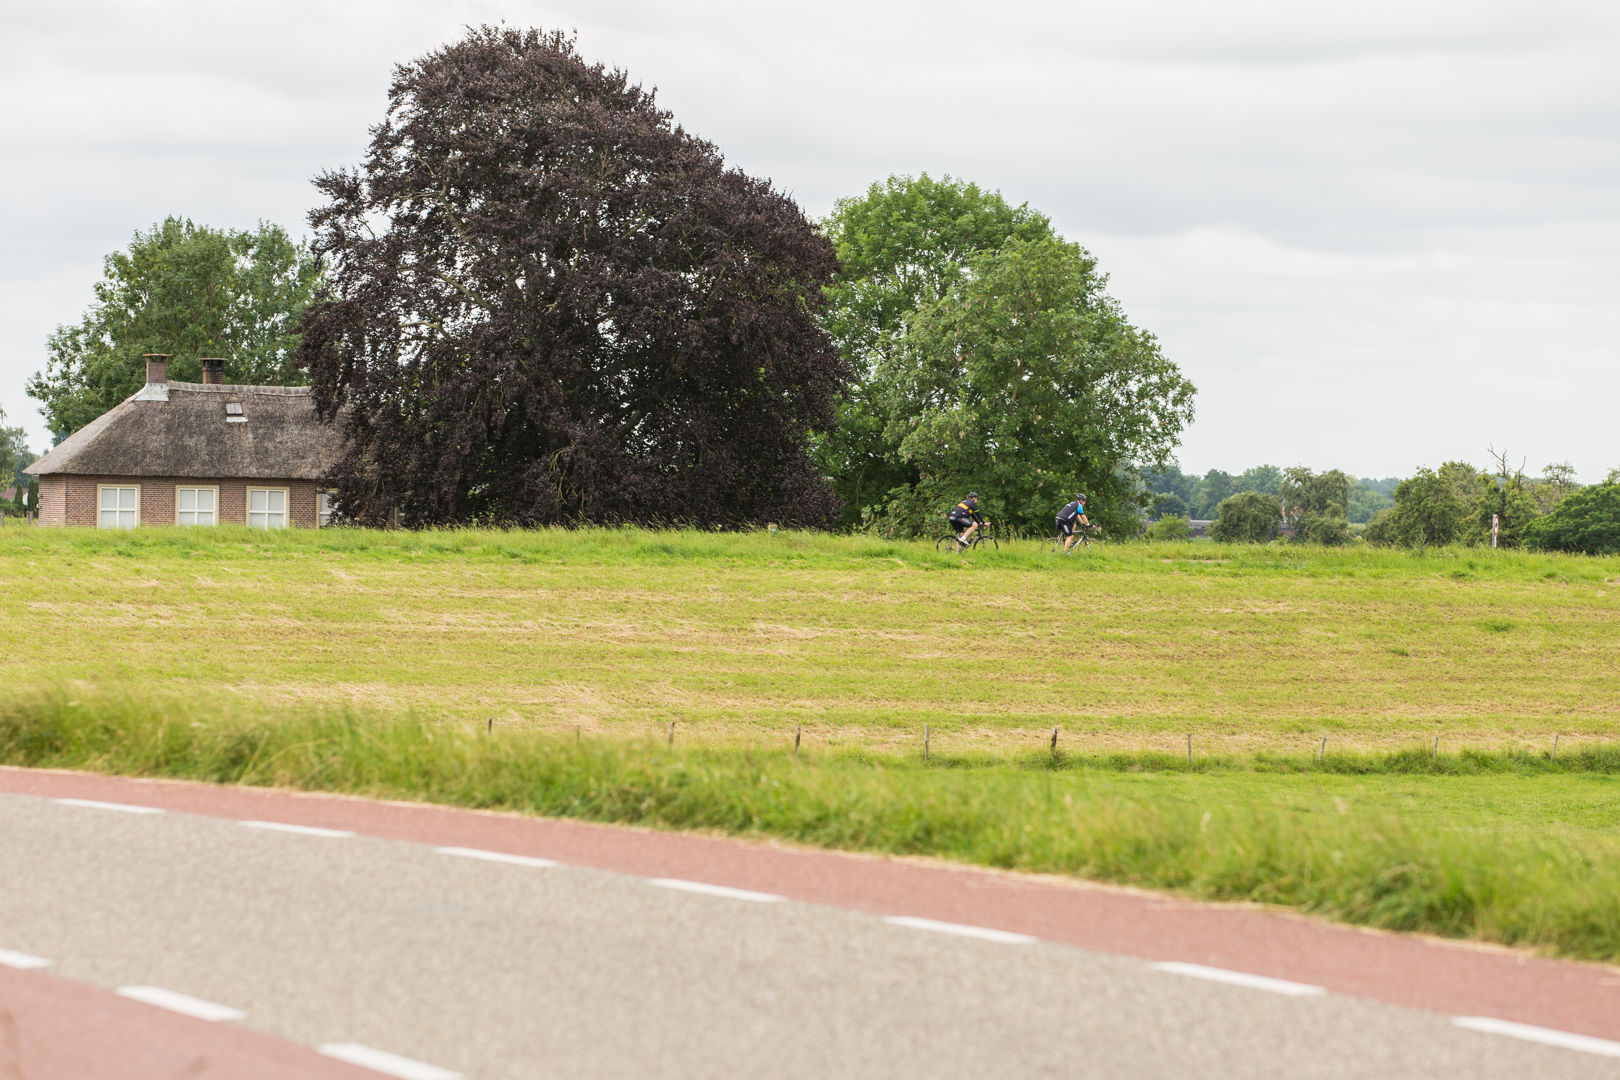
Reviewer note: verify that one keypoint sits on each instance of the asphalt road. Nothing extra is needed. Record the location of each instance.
(493, 969)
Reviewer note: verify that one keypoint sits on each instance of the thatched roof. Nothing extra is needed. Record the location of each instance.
(192, 430)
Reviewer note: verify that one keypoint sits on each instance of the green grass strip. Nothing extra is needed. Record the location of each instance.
(1357, 863)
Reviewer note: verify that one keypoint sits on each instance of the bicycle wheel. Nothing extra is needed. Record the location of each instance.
(1052, 545)
(986, 541)
(945, 545)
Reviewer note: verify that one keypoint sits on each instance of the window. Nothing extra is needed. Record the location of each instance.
(267, 508)
(196, 506)
(323, 509)
(117, 507)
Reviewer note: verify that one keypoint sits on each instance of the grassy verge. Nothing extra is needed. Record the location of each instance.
(1508, 849)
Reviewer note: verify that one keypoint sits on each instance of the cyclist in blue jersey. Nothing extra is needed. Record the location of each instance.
(1066, 518)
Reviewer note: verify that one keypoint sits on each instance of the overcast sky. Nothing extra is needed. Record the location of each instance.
(1375, 235)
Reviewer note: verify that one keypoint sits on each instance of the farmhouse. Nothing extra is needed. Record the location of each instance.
(203, 453)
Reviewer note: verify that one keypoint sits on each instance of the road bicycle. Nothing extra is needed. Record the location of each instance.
(982, 537)
(1053, 545)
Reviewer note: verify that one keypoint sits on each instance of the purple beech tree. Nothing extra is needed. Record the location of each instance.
(548, 303)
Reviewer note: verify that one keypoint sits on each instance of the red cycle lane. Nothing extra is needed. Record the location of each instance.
(56, 1029)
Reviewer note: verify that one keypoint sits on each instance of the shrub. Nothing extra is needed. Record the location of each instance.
(1247, 517)
(1169, 527)
(1587, 521)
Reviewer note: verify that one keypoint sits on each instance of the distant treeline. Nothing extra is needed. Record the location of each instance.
(1177, 494)
(1454, 504)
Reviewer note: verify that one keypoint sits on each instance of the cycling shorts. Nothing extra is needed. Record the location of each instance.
(959, 524)
(1066, 526)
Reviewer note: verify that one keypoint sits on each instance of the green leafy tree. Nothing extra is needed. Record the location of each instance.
(14, 454)
(1313, 505)
(1027, 383)
(189, 291)
(14, 457)
(1368, 497)
(903, 244)
(1212, 489)
(1587, 521)
(1169, 504)
(1556, 484)
(1432, 507)
(1249, 517)
(1167, 490)
(1266, 478)
(1512, 499)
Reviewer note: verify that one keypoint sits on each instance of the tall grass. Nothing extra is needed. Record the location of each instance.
(1364, 866)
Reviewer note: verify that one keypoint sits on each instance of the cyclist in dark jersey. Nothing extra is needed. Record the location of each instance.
(965, 519)
(1066, 517)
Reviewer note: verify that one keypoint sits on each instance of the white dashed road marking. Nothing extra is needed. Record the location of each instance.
(180, 1003)
(302, 830)
(1006, 937)
(404, 1068)
(714, 890)
(22, 960)
(1548, 1036)
(96, 804)
(382, 1061)
(1240, 978)
(495, 856)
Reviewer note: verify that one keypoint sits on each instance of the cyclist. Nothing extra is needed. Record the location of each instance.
(1066, 517)
(965, 519)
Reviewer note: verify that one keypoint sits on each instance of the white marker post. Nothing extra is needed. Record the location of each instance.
(1496, 525)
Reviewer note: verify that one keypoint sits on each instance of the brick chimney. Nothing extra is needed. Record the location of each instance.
(157, 378)
(213, 371)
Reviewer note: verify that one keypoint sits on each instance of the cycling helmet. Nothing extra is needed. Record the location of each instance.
(1079, 498)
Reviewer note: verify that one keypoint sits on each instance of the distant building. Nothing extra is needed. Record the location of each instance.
(203, 453)
(1198, 527)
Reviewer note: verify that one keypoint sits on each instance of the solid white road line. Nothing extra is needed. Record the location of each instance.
(495, 856)
(1549, 1036)
(22, 960)
(1240, 978)
(1006, 937)
(95, 804)
(713, 890)
(302, 830)
(180, 1003)
(382, 1061)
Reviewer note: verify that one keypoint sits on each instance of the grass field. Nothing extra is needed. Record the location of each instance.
(374, 662)
(740, 638)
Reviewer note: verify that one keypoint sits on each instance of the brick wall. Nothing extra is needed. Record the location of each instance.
(72, 500)
(53, 500)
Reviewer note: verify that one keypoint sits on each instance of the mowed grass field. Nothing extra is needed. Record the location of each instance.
(740, 638)
(539, 671)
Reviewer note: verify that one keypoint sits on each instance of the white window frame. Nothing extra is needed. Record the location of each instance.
(286, 508)
(323, 507)
(214, 513)
(135, 522)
